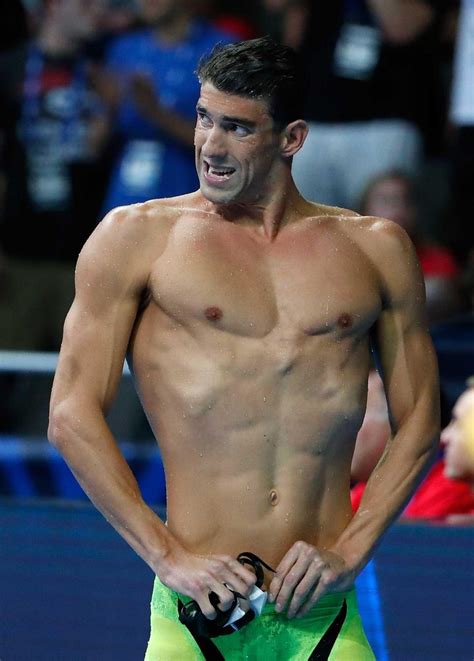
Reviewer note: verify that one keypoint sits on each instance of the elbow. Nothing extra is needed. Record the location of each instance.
(430, 446)
(60, 424)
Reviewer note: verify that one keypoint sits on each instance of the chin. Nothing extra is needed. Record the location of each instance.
(452, 473)
(218, 196)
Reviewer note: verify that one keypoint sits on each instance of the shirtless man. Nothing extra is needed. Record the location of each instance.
(248, 315)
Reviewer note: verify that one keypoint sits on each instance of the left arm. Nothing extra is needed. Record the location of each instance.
(402, 20)
(410, 378)
(148, 103)
(411, 385)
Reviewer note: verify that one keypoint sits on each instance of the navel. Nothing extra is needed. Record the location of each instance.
(273, 497)
(345, 320)
(213, 313)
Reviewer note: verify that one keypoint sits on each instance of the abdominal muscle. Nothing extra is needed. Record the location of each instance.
(256, 457)
(229, 514)
(253, 475)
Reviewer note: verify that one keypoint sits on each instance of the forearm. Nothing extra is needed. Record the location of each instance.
(174, 125)
(388, 489)
(402, 20)
(87, 445)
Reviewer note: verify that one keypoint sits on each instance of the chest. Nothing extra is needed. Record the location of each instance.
(305, 283)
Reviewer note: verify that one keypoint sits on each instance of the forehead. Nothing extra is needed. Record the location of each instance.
(390, 186)
(231, 105)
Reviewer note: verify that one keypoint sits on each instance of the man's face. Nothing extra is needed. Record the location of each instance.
(156, 12)
(458, 464)
(391, 198)
(80, 19)
(236, 147)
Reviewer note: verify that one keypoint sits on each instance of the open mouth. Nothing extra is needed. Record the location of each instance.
(217, 173)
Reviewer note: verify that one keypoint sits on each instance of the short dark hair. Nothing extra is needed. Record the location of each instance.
(257, 69)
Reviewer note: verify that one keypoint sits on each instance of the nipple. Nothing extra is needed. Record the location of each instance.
(213, 314)
(273, 497)
(345, 320)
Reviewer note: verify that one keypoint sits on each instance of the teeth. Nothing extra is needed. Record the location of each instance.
(220, 171)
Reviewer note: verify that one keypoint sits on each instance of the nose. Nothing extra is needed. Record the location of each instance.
(445, 435)
(215, 143)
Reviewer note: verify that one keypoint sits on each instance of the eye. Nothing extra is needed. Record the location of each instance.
(204, 120)
(239, 130)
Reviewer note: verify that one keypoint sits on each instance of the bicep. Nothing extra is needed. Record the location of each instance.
(96, 335)
(402, 342)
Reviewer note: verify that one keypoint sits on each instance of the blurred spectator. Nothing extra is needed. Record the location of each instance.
(51, 146)
(235, 18)
(373, 94)
(284, 20)
(392, 195)
(119, 16)
(374, 432)
(52, 125)
(458, 438)
(151, 87)
(447, 488)
(461, 228)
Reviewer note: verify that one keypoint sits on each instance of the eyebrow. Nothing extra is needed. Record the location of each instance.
(229, 118)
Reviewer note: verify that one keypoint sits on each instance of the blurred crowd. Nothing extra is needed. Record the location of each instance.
(98, 105)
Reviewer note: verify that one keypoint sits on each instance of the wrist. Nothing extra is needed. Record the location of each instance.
(353, 560)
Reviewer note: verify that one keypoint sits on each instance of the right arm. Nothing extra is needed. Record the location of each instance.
(109, 285)
(402, 20)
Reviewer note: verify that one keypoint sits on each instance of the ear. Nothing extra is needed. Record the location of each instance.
(293, 137)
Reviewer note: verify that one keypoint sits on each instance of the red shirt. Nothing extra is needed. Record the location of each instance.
(437, 496)
(436, 260)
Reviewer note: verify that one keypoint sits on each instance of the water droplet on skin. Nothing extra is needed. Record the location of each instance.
(184, 415)
(264, 399)
(200, 454)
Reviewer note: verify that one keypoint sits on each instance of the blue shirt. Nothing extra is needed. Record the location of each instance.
(151, 163)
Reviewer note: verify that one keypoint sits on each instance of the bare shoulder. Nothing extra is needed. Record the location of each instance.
(381, 238)
(392, 254)
(136, 232)
(320, 211)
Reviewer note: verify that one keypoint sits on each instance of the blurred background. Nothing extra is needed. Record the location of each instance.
(97, 105)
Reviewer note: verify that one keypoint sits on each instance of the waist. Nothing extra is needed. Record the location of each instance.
(164, 602)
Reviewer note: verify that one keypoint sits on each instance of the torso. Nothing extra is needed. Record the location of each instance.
(251, 358)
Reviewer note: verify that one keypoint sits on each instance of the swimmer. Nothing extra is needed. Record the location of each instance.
(248, 315)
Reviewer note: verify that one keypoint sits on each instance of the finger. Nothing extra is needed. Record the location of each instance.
(281, 571)
(226, 597)
(290, 582)
(206, 607)
(319, 591)
(238, 577)
(304, 588)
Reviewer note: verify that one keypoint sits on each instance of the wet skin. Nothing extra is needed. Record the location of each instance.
(246, 313)
(251, 359)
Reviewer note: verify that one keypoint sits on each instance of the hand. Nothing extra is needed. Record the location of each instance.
(196, 576)
(304, 575)
(145, 95)
(105, 85)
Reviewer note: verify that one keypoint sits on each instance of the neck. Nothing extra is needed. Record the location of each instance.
(54, 41)
(268, 215)
(174, 29)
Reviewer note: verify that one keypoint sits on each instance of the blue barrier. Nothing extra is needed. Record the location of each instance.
(32, 468)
